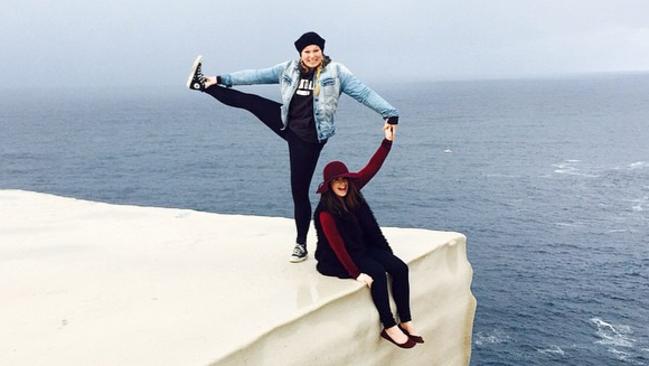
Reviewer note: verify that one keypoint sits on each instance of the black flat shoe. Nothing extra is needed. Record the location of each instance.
(408, 344)
(415, 338)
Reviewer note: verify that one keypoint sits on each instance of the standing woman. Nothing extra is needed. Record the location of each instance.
(351, 244)
(310, 88)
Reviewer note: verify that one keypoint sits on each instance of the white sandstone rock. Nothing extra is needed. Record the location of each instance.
(88, 283)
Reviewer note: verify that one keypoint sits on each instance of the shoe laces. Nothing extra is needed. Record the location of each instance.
(199, 74)
(298, 250)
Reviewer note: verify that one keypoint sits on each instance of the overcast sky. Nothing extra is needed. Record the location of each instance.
(119, 42)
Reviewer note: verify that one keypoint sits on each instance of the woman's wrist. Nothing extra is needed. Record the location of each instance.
(394, 120)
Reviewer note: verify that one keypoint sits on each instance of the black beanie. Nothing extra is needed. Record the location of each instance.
(307, 39)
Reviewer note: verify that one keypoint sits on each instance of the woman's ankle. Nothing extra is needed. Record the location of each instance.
(408, 327)
(210, 80)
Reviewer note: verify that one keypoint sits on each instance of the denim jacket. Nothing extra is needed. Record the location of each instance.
(335, 78)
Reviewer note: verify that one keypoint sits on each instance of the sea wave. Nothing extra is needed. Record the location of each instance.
(617, 338)
(638, 165)
(639, 203)
(569, 224)
(568, 168)
(616, 231)
(610, 335)
(553, 350)
(496, 336)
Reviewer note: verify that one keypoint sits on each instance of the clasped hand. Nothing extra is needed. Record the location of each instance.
(390, 131)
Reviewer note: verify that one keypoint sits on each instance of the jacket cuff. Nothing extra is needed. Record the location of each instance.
(225, 80)
(394, 120)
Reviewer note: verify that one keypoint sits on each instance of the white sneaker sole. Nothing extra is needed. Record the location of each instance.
(298, 260)
(198, 61)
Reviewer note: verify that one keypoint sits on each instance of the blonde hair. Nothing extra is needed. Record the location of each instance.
(325, 60)
(316, 90)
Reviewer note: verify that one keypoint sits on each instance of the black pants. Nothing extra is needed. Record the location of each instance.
(303, 155)
(375, 263)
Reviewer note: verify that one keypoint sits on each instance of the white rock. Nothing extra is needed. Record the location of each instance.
(88, 283)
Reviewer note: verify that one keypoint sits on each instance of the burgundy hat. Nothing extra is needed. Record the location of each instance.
(334, 169)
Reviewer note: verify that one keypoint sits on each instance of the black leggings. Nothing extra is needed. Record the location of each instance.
(303, 155)
(375, 263)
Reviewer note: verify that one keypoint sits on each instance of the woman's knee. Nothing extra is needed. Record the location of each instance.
(399, 268)
(300, 199)
(373, 269)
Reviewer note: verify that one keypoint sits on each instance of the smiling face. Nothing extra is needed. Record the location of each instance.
(340, 186)
(311, 56)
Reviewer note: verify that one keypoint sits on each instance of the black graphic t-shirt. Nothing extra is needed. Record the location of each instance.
(300, 111)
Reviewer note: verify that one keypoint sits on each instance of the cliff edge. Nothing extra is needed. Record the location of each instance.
(90, 283)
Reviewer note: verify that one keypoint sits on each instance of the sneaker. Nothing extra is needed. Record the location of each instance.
(299, 253)
(196, 79)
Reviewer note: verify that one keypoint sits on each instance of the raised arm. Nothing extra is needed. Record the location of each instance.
(249, 77)
(352, 86)
(337, 244)
(373, 166)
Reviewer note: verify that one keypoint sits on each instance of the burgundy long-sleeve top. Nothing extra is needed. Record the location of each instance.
(327, 221)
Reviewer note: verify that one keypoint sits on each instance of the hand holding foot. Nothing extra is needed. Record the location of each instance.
(209, 81)
(196, 79)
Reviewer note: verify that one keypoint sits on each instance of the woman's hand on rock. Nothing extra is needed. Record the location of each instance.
(366, 279)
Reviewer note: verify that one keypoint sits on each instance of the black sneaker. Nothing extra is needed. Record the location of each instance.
(196, 79)
(299, 253)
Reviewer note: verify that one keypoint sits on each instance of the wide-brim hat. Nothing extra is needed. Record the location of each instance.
(333, 170)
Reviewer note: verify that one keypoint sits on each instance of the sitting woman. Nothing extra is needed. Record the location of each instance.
(351, 244)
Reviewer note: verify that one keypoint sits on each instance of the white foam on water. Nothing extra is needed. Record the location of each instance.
(554, 350)
(498, 175)
(497, 336)
(639, 203)
(617, 231)
(621, 355)
(448, 150)
(638, 165)
(568, 224)
(614, 336)
(567, 167)
(574, 171)
(617, 339)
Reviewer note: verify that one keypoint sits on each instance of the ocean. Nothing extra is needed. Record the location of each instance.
(548, 178)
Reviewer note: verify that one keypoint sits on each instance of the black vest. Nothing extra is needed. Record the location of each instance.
(359, 231)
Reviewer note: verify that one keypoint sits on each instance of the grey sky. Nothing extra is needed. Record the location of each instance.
(73, 42)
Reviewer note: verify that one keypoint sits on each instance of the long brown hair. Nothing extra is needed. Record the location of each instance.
(341, 205)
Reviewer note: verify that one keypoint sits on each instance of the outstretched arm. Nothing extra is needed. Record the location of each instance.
(249, 77)
(337, 244)
(352, 86)
(373, 166)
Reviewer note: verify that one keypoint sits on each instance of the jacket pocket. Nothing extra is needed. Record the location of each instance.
(327, 81)
(286, 79)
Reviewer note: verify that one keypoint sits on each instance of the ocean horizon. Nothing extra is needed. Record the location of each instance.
(547, 177)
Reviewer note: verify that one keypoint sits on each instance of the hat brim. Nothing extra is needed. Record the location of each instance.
(324, 186)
